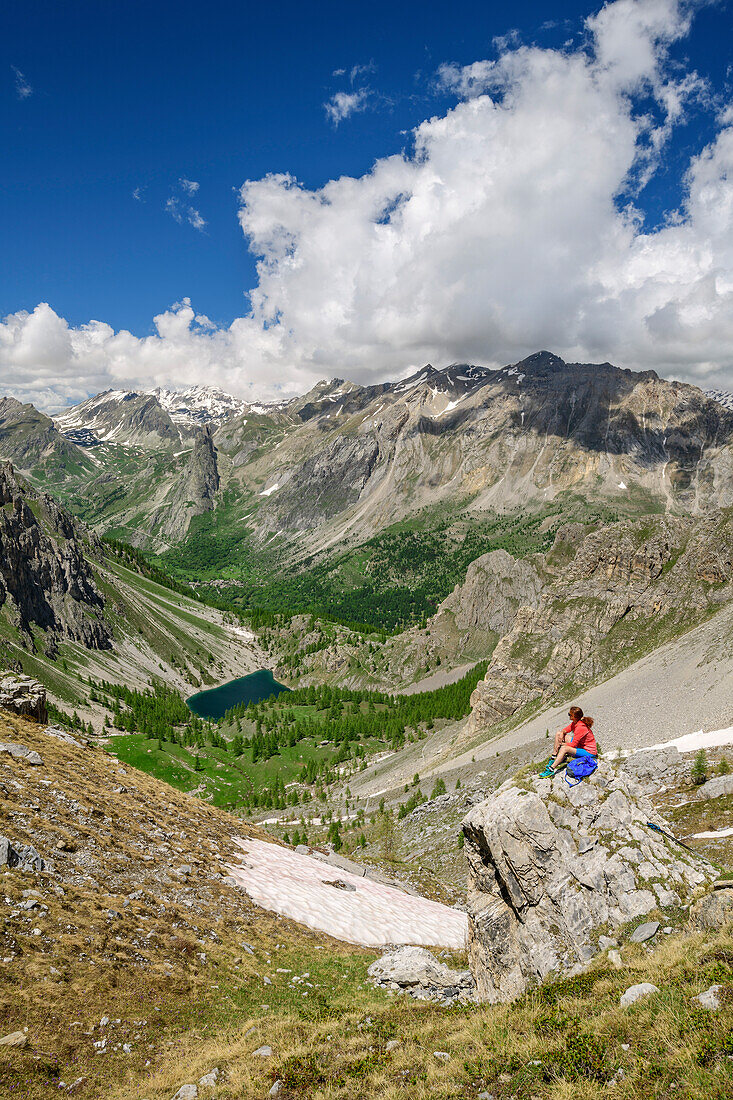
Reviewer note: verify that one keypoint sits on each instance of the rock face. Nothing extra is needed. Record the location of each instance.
(192, 493)
(25, 696)
(545, 875)
(45, 578)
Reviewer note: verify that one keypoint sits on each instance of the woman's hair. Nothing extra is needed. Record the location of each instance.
(588, 721)
(575, 713)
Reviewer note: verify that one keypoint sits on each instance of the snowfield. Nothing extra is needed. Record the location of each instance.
(692, 742)
(371, 915)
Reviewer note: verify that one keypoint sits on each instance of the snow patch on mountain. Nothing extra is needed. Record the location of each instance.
(723, 397)
(199, 405)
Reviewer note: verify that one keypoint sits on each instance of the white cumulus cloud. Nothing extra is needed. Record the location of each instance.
(509, 225)
(343, 104)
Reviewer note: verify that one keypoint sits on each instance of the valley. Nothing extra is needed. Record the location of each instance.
(378, 602)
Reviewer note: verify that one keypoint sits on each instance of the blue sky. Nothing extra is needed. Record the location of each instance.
(103, 102)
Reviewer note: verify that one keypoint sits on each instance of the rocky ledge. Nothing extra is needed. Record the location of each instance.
(23, 695)
(553, 868)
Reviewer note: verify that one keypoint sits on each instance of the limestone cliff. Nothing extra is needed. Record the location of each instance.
(191, 494)
(45, 579)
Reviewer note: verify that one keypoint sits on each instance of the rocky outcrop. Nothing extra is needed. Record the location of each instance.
(551, 867)
(45, 578)
(23, 856)
(25, 696)
(496, 586)
(193, 493)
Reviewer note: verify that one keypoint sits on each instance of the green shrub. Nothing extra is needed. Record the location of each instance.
(582, 1058)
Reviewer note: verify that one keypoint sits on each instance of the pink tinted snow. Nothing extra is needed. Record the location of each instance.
(371, 915)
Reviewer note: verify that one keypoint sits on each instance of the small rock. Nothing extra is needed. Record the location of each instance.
(441, 1055)
(210, 1078)
(62, 735)
(20, 752)
(710, 999)
(644, 932)
(635, 992)
(614, 957)
(392, 1044)
(15, 1039)
(186, 1092)
(276, 1089)
(104, 1021)
(604, 942)
(263, 1052)
(668, 930)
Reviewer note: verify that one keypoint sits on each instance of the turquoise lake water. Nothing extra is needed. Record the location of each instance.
(247, 689)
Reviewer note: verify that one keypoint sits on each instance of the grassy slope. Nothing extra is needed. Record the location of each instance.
(187, 996)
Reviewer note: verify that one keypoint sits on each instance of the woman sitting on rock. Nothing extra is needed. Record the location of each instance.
(575, 740)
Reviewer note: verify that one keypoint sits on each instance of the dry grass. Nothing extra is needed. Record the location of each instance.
(181, 1014)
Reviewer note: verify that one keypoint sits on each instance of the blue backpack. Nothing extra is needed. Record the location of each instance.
(579, 769)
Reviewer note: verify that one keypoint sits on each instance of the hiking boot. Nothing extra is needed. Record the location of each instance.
(547, 773)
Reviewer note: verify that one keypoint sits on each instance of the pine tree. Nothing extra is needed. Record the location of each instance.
(700, 768)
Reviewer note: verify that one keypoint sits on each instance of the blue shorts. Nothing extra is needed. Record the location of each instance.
(584, 752)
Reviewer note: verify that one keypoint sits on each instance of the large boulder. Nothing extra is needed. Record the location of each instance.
(550, 866)
(414, 970)
(716, 788)
(24, 696)
(712, 911)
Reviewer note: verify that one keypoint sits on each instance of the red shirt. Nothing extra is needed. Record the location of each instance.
(582, 736)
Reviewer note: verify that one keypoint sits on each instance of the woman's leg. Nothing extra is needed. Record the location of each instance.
(559, 737)
(565, 751)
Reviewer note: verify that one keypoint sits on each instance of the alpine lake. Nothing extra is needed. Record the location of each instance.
(214, 703)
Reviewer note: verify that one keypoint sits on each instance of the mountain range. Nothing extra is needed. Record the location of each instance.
(343, 462)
